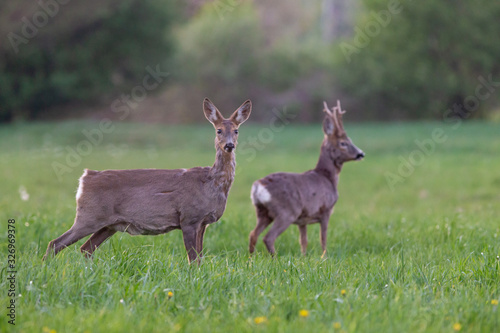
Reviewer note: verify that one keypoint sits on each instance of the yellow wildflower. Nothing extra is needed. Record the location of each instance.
(170, 294)
(457, 327)
(337, 325)
(260, 320)
(343, 292)
(304, 313)
(494, 302)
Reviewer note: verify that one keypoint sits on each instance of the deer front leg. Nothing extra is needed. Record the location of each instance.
(190, 234)
(303, 238)
(324, 227)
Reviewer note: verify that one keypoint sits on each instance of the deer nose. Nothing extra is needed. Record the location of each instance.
(360, 156)
(229, 147)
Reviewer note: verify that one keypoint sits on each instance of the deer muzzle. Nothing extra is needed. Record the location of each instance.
(229, 147)
(360, 156)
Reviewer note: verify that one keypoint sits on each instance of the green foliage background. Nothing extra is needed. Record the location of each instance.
(103, 51)
(428, 57)
(227, 53)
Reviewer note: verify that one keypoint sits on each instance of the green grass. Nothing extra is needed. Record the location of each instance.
(420, 258)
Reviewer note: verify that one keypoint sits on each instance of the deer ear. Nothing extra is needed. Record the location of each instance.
(211, 113)
(241, 115)
(328, 126)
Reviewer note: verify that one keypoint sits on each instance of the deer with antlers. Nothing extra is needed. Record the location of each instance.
(282, 199)
(156, 201)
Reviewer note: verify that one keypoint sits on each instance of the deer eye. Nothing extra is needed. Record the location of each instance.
(343, 144)
(219, 131)
(235, 131)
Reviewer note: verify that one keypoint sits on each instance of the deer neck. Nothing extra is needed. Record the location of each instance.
(222, 172)
(327, 167)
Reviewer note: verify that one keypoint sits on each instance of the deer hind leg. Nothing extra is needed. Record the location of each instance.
(303, 239)
(71, 236)
(280, 224)
(263, 220)
(83, 226)
(96, 240)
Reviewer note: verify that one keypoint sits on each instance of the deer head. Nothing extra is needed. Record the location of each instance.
(226, 130)
(338, 144)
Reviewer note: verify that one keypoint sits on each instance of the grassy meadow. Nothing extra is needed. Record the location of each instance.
(421, 255)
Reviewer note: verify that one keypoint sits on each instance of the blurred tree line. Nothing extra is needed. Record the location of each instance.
(57, 52)
(423, 58)
(398, 59)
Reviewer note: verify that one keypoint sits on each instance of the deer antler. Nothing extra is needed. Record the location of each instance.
(336, 114)
(338, 108)
(327, 110)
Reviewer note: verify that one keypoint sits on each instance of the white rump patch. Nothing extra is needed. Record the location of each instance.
(80, 186)
(260, 194)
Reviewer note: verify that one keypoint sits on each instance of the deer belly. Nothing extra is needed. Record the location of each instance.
(314, 216)
(209, 218)
(307, 220)
(135, 229)
(145, 224)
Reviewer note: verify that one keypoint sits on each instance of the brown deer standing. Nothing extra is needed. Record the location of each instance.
(155, 201)
(305, 198)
